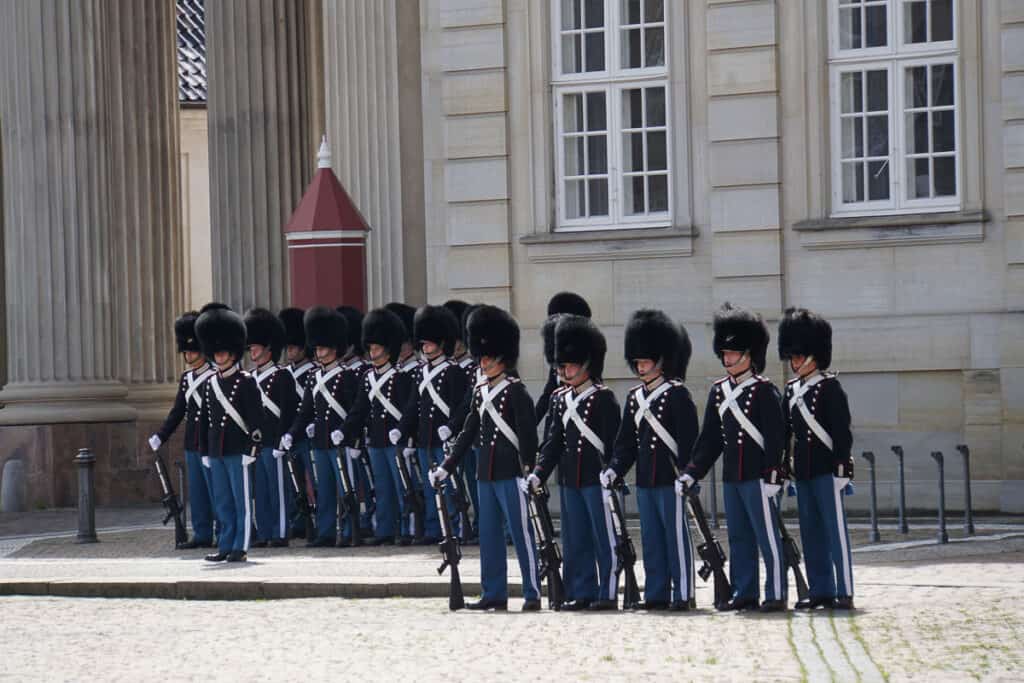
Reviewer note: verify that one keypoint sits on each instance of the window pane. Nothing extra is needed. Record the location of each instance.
(572, 53)
(853, 182)
(632, 108)
(570, 14)
(917, 87)
(633, 191)
(595, 51)
(878, 180)
(945, 176)
(654, 10)
(942, 26)
(654, 47)
(575, 199)
(633, 152)
(918, 183)
(594, 13)
(943, 132)
(849, 29)
(875, 33)
(598, 197)
(853, 138)
(850, 86)
(597, 116)
(597, 154)
(878, 90)
(917, 133)
(878, 136)
(655, 107)
(574, 156)
(915, 18)
(572, 113)
(631, 11)
(657, 192)
(942, 85)
(657, 152)
(631, 48)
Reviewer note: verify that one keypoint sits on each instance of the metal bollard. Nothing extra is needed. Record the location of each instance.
(904, 528)
(875, 536)
(937, 457)
(714, 499)
(968, 512)
(86, 463)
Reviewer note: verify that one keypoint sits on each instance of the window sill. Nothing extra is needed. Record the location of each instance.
(609, 245)
(955, 227)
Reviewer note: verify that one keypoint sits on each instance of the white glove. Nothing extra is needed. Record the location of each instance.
(154, 443)
(337, 437)
(444, 433)
(533, 481)
(277, 454)
(608, 478)
(680, 488)
(770, 490)
(353, 453)
(436, 475)
(247, 460)
(523, 486)
(394, 436)
(310, 430)
(206, 461)
(409, 452)
(687, 480)
(286, 442)
(841, 482)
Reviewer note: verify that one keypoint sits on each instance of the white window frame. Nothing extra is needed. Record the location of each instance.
(894, 58)
(613, 81)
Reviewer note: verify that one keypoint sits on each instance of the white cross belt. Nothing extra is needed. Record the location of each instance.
(377, 395)
(487, 396)
(194, 384)
(427, 384)
(730, 402)
(643, 412)
(570, 413)
(812, 422)
(226, 405)
(322, 378)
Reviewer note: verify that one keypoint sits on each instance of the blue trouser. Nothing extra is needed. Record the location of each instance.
(200, 497)
(825, 538)
(431, 520)
(588, 545)
(232, 499)
(502, 501)
(388, 486)
(748, 514)
(271, 500)
(665, 536)
(326, 493)
(469, 469)
(302, 464)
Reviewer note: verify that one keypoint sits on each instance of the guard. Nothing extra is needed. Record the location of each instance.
(301, 368)
(358, 461)
(569, 303)
(465, 361)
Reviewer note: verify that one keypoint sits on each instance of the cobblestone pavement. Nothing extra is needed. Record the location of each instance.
(917, 621)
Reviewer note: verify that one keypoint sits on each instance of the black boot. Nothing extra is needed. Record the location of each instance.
(484, 605)
(603, 606)
(576, 605)
(843, 602)
(680, 606)
(531, 605)
(738, 604)
(237, 556)
(653, 605)
(813, 603)
(216, 557)
(773, 606)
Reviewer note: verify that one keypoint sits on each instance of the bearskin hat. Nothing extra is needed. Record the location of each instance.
(221, 329)
(325, 327)
(384, 327)
(185, 332)
(294, 332)
(803, 333)
(464, 322)
(737, 329)
(436, 324)
(406, 314)
(212, 306)
(354, 317)
(493, 332)
(458, 308)
(265, 328)
(651, 334)
(681, 359)
(569, 302)
(578, 340)
(547, 335)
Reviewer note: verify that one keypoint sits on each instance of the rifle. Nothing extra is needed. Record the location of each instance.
(412, 492)
(451, 552)
(461, 500)
(171, 503)
(303, 507)
(547, 549)
(790, 553)
(625, 552)
(709, 550)
(370, 494)
(349, 496)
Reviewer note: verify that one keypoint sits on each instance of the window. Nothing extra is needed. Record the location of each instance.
(611, 113)
(893, 72)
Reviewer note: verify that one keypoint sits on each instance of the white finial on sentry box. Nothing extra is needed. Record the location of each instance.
(323, 157)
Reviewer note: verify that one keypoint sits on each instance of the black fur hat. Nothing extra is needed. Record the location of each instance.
(294, 332)
(406, 314)
(384, 327)
(263, 327)
(569, 302)
(436, 324)
(458, 308)
(681, 360)
(325, 327)
(221, 329)
(803, 333)
(185, 332)
(578, 340)
(464, 322)
(737, 329)
(493, 332)
(354, 317)
(547, 335)
(651, 334)
(213, 305)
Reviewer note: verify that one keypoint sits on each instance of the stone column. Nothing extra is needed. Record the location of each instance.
(262, 152)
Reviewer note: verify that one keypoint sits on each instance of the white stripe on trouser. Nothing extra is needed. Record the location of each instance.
(685, 579)
(248, 508)
(613, 586)
(841, 530)
(525, 521)
(280, 497)
(769, 527)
